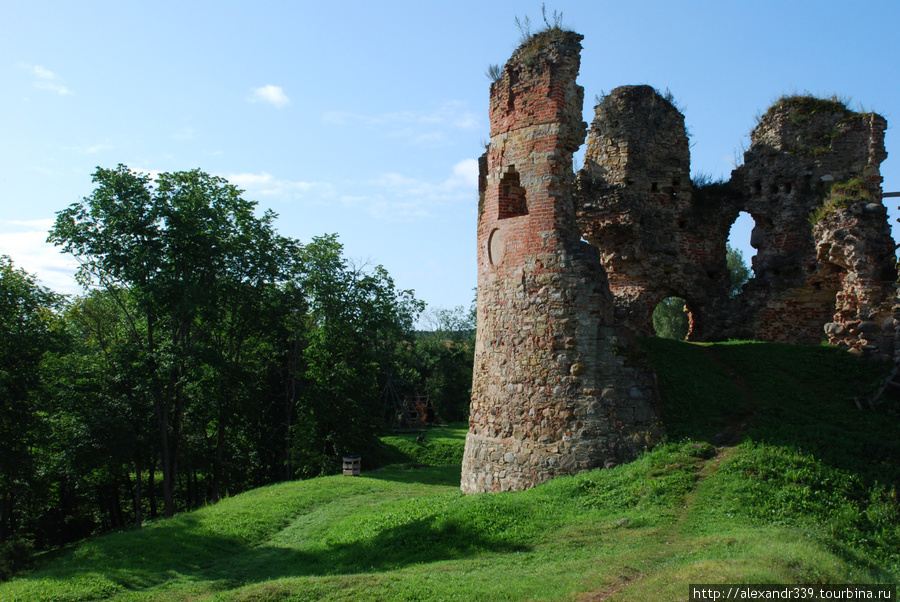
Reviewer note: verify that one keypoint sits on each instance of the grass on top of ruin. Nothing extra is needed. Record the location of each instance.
(770, 475)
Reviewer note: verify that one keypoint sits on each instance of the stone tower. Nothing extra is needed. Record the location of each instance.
(557, 386)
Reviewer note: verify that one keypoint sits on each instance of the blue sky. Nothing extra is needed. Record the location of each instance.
(366, 119)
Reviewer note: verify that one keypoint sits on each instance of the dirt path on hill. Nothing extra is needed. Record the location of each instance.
(629, 575)
(731, 435)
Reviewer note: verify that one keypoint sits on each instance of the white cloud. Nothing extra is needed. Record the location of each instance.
(262, 184)
(462, 181)
(265, 184)
(422, 128)
(26, 243)
(43, 224)
(388, 208)
(185, 134)
(391, 196)
(397, 197)
(44, 170)
(153, 173)
(270, 94)
(90, 150)
(466, 172)
(46, 80)
(43, 73)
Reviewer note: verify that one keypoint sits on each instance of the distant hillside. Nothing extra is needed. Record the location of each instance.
(770, 474)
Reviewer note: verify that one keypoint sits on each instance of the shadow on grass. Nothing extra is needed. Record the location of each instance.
(200, 546)
(794, 396)
(180, 551)
(435, 451)
(420, 541)
(809, 455)
(137, 560)
(413, 473)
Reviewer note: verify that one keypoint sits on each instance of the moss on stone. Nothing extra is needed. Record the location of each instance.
(841, 195)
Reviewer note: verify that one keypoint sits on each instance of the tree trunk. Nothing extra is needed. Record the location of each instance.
(168, 482)
(151, 485)
(188, 490)
(6, 504)
(138, 501)
(118, 513)
(220, 454)
(290, 403)
(175, 440)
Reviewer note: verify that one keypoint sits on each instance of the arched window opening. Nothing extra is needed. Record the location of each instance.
(743, 241)
(672, 319)
(512, 195)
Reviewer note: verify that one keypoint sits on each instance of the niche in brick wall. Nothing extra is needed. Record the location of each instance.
(512, 195)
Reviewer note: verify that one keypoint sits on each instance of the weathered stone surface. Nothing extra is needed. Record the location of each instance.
(825, 259)
(635, 203)
(546, 344)
(569, 269)
(811, 182)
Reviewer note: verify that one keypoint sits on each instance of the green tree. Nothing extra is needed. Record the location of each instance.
(455, 323)
(27, 333)
(670, 320)
(179, 248)
(737, 269)
(102, 417)
(355, 322)
(438, 362)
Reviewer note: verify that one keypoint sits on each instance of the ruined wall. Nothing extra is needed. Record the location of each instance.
(556, 387)
(854, 249)
(660, 236)
(569, 270)
(802, 147)
(636, 204)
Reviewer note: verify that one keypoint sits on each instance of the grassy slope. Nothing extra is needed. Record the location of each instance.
(770, 475)
(440, 447)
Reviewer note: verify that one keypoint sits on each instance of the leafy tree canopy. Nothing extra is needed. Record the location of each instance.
(181, 256)
(27, 333)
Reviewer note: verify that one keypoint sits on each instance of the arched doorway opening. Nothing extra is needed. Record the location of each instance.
(672, 319)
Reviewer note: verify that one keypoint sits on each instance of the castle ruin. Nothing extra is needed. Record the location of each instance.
(571, 267)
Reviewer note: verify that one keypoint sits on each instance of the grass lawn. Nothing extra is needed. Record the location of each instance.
(770, 475)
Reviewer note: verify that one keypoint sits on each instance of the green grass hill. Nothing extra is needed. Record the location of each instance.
(770, 474)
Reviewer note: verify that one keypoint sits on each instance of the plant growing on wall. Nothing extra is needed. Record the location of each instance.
(841, 195)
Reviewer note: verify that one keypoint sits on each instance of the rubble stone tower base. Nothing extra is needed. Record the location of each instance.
(558, 387)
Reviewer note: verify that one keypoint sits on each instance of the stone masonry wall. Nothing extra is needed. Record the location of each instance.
(636, 204)
(556, 387)
(801, 149)
(570, 269)
(660, 236)
(854, 250)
